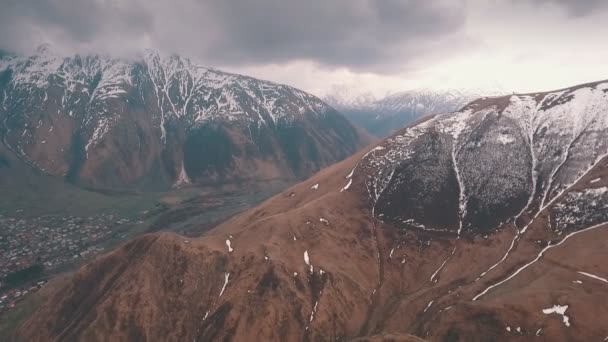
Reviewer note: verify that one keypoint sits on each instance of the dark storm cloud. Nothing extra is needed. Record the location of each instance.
(350, 32)
(70, 22)
(359, 34)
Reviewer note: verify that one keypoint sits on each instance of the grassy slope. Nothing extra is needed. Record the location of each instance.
(23, 188)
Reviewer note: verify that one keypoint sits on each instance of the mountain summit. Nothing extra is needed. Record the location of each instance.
(489, 223)
(107, 122)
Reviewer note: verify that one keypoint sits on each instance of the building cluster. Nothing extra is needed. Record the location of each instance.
(44, 244)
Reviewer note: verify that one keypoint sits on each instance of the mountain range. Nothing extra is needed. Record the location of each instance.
(156, 122)
(488, 223)
(381, 116)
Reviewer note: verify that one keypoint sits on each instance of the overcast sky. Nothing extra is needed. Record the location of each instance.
(318, 45)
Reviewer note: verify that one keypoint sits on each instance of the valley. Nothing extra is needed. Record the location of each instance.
(52, 241)
(96, 151)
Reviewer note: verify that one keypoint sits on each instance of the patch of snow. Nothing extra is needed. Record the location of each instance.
(377, 148)
(228, 244)
(580, 208)
(595, 180)
(350, 181)
(350, 175)
(428, 306)
(324, 221)
(226, 277)
(315, 187)
(505, 139)
(504, 257)
(314, 310)
(593, 276)
(442, 265)
(560, 310)
(102, 127)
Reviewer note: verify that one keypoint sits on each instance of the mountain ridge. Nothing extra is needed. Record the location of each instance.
(386, 114)
(111, 122)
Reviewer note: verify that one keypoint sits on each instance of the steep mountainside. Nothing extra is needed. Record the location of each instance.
(383, 116)
(490, 223)
(107, 122)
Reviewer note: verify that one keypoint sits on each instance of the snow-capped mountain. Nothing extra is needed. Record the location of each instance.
(381, 116)
(110, 122)
(489, 223)
(496, 160)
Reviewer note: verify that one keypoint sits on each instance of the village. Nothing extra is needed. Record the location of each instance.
(32, 248)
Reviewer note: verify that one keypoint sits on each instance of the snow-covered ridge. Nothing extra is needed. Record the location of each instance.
(383, 115)
(96, 89)
(423, 101)
(191, 89)
(497, 158)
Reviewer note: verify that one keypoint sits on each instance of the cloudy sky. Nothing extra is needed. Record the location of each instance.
(322, 45)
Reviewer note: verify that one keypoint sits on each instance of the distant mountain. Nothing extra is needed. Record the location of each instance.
(485, 224)
(161, 121)
(384, 115)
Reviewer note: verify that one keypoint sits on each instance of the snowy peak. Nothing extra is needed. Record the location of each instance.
(393, 111)
(183, 87)
(429, 99)
(344, 98)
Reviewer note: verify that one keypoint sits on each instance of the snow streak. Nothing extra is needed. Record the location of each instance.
(226, 277)
(540, 255)
(593, 276)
